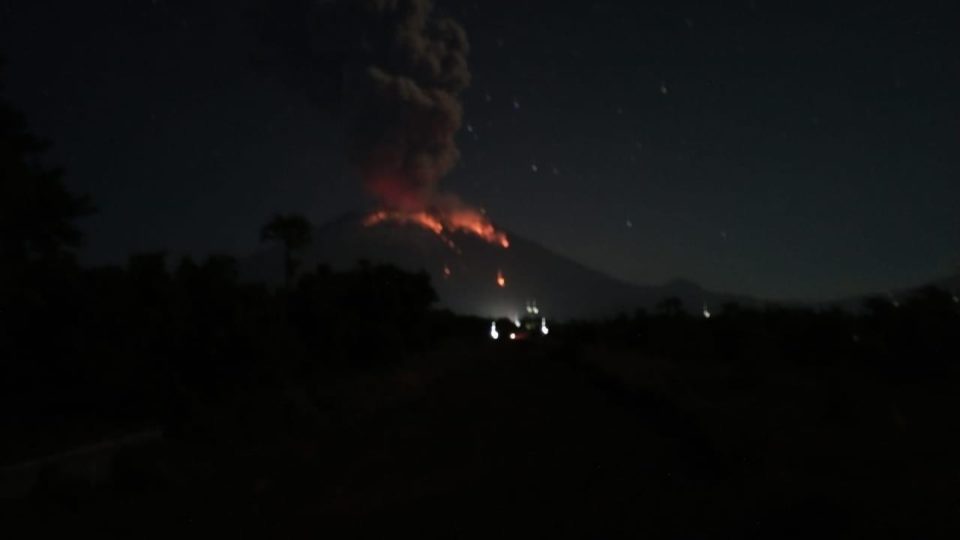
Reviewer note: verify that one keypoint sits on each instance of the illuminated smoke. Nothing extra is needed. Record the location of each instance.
(402, 83)
(399, 71)
(404, 70)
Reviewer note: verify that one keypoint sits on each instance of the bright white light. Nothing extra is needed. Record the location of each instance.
(706, 312)
(516, 322)
(513, 336)
(543, 327)
(493, 331)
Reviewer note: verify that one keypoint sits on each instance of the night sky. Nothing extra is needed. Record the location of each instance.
(782, 149)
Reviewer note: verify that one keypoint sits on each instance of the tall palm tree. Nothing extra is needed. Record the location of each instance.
(293, 232)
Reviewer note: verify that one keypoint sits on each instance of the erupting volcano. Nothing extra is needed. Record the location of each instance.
(400, 72)
(395, 71)
(403, 72)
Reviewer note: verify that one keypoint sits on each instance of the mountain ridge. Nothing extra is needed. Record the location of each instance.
(465, 277)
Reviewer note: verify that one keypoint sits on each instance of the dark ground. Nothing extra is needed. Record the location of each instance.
(542, 439)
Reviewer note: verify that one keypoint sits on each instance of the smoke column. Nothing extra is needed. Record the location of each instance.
(403, 73)
(399, 73)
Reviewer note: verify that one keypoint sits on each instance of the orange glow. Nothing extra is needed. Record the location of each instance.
(422, 219)
(501, 281)
(467, 221)
(475, 223)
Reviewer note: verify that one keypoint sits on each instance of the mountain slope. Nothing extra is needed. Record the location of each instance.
(561, 287)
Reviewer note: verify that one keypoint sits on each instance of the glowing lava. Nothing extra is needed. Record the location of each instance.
(421, 219)
(501, 281)
(465, 221)
(476, 224)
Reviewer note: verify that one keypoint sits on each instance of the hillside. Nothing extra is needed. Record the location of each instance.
(466, 278)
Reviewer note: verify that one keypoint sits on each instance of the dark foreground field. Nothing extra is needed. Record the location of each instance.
(660, 427)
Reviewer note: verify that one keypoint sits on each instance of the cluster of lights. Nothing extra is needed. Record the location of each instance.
(532, 308)
(495, 334)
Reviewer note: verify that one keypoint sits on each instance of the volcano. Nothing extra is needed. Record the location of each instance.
(477, 277)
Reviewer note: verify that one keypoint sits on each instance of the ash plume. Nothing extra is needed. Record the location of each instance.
(402, 100)
(400, 71)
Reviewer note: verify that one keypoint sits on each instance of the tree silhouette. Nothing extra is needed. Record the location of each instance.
(293, 232)
(36, 210)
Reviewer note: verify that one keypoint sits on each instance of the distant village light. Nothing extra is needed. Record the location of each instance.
(706, 312)
(513, 336)
(543, 327)
(493, 331)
